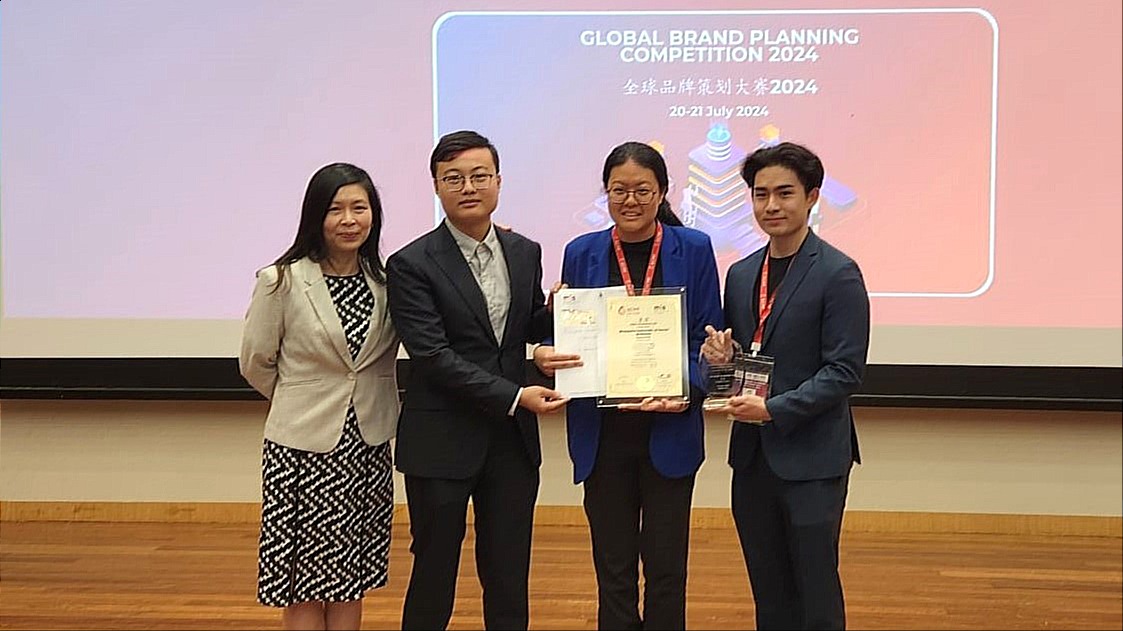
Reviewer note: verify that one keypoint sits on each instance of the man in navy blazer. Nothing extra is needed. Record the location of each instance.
(466, 299)
(803, 303)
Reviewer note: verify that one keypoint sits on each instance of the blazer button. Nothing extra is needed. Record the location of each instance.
(351, 376)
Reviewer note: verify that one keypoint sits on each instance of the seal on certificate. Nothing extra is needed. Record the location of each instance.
(645, 383)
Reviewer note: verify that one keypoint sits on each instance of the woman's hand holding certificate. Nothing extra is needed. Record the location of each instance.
(672, 405)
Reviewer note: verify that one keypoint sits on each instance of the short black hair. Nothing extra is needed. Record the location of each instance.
(452, 145)
(799, 159)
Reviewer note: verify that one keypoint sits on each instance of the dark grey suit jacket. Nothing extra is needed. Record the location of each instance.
(818, 332)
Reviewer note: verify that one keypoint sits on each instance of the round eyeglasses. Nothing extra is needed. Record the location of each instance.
(480, 181)
(620, 195)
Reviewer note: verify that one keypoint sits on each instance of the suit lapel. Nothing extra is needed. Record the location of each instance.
(520, 271)
(446, 254)
(671, 260)
(800, 265)
(749, 297)
(320, 298)
(376, 339)
(596, 269)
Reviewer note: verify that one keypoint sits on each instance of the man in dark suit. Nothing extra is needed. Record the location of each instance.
(804, 304)
(466, 299)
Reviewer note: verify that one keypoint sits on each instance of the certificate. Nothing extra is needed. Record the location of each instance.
(580, 328)
(645, 347)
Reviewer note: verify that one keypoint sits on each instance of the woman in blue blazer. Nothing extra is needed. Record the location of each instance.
(638, 466)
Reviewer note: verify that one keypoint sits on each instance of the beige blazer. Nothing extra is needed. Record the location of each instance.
(294, 352)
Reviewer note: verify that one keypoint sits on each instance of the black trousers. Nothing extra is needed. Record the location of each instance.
(789, 534)
(636, 514)
(503, 493)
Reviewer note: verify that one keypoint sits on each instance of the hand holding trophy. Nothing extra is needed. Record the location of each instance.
(720, 360)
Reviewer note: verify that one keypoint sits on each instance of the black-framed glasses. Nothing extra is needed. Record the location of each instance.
(620, 195)
(480, 181)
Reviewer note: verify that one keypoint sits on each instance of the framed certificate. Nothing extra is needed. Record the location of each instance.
(645, 344)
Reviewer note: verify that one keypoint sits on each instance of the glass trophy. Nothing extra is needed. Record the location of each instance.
(723, 379)
(744, 373)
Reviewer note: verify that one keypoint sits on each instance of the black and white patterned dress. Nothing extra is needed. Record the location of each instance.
(325, 517)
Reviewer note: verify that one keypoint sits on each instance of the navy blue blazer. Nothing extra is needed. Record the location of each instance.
(686, 260)
(819, 333)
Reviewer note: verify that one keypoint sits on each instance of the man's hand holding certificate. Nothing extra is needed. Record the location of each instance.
(549, 360)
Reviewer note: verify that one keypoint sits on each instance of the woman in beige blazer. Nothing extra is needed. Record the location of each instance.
(319, 344)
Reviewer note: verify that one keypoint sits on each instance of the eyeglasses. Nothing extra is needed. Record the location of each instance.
(480, 181)
(620, 195)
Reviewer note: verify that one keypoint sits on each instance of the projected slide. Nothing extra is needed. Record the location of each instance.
(153, 158)
(708, 89)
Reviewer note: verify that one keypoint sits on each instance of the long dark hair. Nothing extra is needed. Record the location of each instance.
(647, 157)
(309, 241)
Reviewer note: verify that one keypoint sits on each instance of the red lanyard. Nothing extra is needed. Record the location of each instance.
(764, 305)
(626, 274)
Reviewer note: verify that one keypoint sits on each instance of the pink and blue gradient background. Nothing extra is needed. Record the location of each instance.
(562, 108)
(155, 153)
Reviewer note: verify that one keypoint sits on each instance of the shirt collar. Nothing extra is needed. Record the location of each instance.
(467, 244)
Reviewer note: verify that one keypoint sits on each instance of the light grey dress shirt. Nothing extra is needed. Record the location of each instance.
(489, 267)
